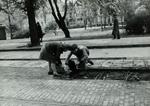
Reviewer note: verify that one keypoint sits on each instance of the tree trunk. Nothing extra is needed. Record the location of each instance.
(66, 32)
(85, 24)
(102, 29)
(32, 23)
(9, 19)
(44, 15)
(105, 22)
(10, 26)
(64, 28)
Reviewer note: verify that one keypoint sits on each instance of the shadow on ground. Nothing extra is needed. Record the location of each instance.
(127, 75)
(42, 74)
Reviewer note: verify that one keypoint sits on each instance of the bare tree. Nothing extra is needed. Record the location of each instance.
(60, 20)
(29, 7)
(7, 8)
(32, 22)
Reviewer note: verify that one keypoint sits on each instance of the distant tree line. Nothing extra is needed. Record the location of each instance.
(106, 7)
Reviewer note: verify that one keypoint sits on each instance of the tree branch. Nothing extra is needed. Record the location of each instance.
(66, 7)
(100, 3)
(53, 11)
(1, 9)
(57, 9)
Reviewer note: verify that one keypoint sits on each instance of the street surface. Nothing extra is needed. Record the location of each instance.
(127, 57)
(24, 80)
(94, 53)
(33, 87)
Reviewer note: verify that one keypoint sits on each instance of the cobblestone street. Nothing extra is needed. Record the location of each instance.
(99, 63)
(24, 80)
(33, 87)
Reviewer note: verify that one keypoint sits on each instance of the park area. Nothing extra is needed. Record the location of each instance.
(111, 38)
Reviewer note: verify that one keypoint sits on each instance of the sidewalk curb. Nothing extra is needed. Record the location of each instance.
(90, 47)
(99, 68)
(20, 49)
(119, 46)
(101, 58)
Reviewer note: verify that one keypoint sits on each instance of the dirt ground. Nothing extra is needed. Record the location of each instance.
(122, 75)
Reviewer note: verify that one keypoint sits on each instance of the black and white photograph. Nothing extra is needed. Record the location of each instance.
(74, 52)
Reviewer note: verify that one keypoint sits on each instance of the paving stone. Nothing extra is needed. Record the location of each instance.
(107, 63)
(115, 64)
(127, 63)
(17, 86)
(138, 64)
